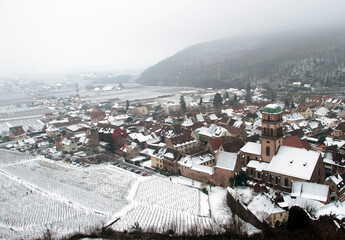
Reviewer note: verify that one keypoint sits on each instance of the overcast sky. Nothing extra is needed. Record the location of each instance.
(45, 36)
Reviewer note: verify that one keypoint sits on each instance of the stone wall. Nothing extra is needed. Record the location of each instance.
(246, 215)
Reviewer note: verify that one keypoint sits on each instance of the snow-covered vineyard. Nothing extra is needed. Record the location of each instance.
(29, 118)
(37, 194)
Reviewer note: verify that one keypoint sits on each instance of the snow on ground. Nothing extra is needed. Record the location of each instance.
(38, 193)
(244, 194)
(187, 181)
(221, 212)
(26, 213)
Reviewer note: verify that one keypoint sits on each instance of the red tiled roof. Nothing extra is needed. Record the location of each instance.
(216, 142)
(17, 131)
(97, 115)
(293, 141)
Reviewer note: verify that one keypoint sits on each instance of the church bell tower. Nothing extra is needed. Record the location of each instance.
(272, 131)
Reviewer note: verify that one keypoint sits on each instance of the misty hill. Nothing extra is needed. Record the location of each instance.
(317, 57)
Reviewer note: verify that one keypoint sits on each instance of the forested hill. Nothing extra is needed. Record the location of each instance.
(313, 57)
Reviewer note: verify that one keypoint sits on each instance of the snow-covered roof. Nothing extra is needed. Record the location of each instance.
(213, 117)
(322, 112)
(189, 161)
(295, 162)
(294, 117)
(310, 190)
(226, 160)
(204, 169)
(336, 179)
(187, 123)
(212, 131)
(148, 151)
(251, 148)
(200, 118)
(261, 206)
(259, 166)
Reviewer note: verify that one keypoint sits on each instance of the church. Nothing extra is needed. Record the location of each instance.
(276, 165)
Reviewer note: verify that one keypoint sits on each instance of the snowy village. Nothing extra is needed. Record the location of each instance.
(174, 119)
(193, 160)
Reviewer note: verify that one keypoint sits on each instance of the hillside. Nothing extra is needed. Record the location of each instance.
(313, 57)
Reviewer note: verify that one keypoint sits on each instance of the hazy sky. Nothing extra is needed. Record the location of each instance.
(46, 36)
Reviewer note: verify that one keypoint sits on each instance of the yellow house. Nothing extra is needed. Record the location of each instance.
(156, 162)
(277, 215)
(306, 112)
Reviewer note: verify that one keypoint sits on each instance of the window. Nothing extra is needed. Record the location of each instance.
(271, 131)
(259, 175)
(268, 151)
(248, 159)
(286, 182)
(276, 180)
(270, 178)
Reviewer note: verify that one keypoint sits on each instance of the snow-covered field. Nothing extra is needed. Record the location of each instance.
(37, 194)
(29, 118)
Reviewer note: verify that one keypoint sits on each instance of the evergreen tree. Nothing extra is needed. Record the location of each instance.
(248, 96)
(183, 104)
(235, 100)
(217, 101)
(226, 96)
(127, 105)
(287, 104)
(201, 101)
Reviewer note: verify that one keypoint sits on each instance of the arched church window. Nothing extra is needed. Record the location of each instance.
(268, 151)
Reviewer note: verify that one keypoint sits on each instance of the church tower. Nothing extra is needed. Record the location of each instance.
(272, 131)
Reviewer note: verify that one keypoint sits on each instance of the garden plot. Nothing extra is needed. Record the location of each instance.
(99, 189)
(26, 213)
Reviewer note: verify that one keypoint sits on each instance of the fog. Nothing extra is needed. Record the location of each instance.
(45, 36)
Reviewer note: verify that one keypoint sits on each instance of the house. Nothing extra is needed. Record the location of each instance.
(336, 184)
(52, 131)
(17, 133)
(26, 144)
(225, 168)
(108, 132)
(68, 145)
(277, 215)
(339, 130)
(213, 131)
(183, 142)
(306, 112)
(198, 167)
(97, 116)
(166, 159)
(76, 129)
(214, 144)
(308, 190)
